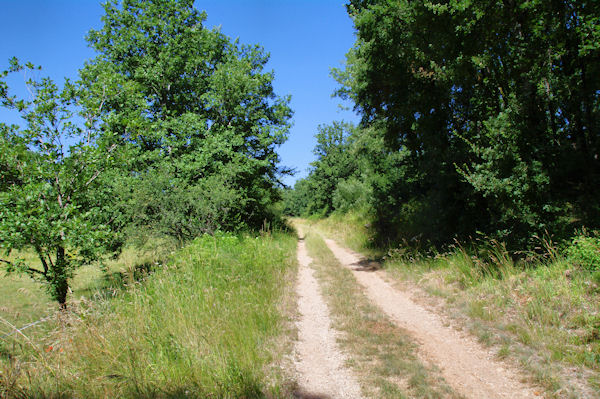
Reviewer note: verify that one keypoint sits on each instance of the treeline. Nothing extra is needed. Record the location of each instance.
(171, 129)
(478, 117)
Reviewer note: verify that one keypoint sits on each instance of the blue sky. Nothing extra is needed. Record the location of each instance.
(305, 39)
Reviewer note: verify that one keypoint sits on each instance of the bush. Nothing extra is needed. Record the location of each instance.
(584, 251)
(351, 194)
(166, 204)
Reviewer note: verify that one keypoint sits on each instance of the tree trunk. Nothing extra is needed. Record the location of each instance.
(60, 283)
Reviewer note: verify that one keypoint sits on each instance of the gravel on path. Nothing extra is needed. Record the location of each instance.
(319, 362)
(466, 365)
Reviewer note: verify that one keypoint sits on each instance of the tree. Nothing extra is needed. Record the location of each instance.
(195, 108)
(334, 163)
(48, 200)
(297, 199)
(494, 107)
(338, 179)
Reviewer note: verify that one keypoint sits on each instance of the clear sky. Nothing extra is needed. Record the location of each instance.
(304, 37)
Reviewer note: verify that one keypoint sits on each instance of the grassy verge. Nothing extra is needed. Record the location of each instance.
(539, 317)
(544, 317)
(380, 353)
(202, 326)
(25, 301)
(353, 229)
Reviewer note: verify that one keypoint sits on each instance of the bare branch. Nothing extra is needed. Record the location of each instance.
(95, 175)
(32, 270)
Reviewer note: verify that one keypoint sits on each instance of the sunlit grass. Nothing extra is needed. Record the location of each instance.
(353, 229)
(541, 305)
(544, 316)
(201, 326)
(24, 300)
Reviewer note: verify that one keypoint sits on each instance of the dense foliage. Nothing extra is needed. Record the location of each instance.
(334, 164)
(198, 115)
(478, 116)
(172, 127)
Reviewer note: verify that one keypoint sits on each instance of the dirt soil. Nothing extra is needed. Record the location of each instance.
(319, 363)
(467, 366)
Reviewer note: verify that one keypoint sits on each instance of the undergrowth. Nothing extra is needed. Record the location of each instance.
(200, 326)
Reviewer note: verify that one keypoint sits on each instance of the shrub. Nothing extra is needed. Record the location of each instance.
(351, 194)
(584, 251)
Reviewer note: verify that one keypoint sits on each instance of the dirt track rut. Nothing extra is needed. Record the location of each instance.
(319, 363)
(467, 367)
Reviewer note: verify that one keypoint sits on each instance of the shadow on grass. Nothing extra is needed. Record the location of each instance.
(122, 279)
(115, 282)
(251, 392)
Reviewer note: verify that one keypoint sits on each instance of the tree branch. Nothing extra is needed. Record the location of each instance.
(7, 262)
(94, 176)
(41, 256)
(29, 269)
(36, 271)
(97, 173)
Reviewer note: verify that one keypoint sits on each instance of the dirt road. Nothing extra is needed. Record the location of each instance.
(319, 363)
(467, 367)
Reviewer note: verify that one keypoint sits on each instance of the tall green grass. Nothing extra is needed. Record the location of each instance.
(352, 228)
(202, 326)
(23, 300)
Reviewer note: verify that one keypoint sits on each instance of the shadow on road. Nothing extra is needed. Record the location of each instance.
(366, 265)
(310, 395)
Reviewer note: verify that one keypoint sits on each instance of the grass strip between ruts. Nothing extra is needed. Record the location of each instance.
(382, 355)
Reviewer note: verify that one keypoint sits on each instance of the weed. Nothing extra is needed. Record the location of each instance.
(504, 351)
(584, 251)
(201, 326)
